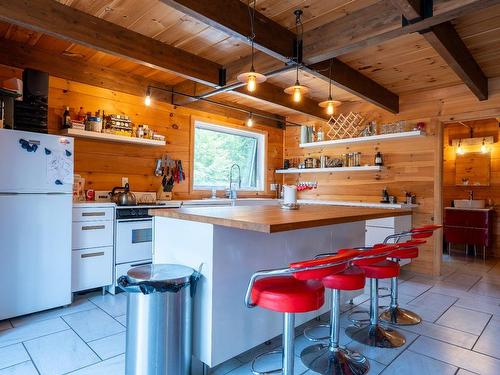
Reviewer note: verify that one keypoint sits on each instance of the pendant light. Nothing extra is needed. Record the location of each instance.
(250, 120)
(147, 99)
(297, 90)
(251, 78)
(329, 104)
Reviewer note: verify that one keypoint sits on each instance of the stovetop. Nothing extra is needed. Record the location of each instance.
(140, 211)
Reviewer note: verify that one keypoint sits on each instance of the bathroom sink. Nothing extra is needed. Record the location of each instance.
(467, 203)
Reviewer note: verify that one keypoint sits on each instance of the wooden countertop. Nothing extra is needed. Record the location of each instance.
(272, 219)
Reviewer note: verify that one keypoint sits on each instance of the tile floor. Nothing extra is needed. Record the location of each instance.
(460, 333)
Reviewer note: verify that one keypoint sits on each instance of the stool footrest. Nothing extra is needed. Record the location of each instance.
(359, 322)
(311, 337)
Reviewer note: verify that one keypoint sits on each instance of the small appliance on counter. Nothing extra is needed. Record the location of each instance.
(122, 196)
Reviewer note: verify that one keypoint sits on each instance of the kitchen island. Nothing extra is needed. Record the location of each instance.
(234, 242)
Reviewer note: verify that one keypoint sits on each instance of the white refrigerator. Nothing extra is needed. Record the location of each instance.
(36, 177)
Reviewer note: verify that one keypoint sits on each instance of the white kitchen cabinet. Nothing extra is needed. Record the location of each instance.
(92, 245)
(378, 229)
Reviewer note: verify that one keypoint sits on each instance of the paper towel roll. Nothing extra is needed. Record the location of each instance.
(290, 194)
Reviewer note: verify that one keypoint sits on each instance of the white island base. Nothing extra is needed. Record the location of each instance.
(223, 326)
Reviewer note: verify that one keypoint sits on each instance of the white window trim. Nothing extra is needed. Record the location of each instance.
(261, 150)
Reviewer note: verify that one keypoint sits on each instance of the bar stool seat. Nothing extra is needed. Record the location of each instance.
(352, 278)
(288, 295)
(381, 270)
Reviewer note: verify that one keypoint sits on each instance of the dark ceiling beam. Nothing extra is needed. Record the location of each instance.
(377, 24)
(448, 44)
(233, 18)
(64, 22)
(357, 84)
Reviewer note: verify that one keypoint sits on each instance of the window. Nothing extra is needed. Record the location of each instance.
(217, 148)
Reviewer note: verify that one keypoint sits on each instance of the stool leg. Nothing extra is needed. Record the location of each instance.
(375, 334)
(396, 315)
(288, 343)
(331, 358)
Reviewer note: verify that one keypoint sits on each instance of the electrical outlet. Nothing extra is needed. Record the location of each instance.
(273, 187)
(124, 181)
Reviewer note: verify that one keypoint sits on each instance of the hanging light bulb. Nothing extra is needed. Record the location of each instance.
(484, 149)
(460, 149)
(330, 104)
(250, 120)
(251, 78)
(147, 99)
(297, 90)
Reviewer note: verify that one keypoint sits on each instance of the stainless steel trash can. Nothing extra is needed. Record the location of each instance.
(159, 319)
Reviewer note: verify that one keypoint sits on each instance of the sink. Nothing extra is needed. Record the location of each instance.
(467, 203)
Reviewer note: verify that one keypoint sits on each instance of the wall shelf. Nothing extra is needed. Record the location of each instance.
(380, 137)
(110, 137)
(366, 168)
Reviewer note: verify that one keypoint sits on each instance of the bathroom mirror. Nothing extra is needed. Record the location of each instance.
(472, 169)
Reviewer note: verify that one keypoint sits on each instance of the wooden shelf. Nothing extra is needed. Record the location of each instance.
(367, 168)
(110, 137)
(380, 137)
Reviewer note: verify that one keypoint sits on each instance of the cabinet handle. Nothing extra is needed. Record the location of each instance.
(140, 264)
(93, 227)
(91, 255)
(101, 213)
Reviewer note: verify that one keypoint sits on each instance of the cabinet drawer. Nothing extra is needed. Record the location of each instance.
(91, 268)
(92, 234)
(93, 213)
(121, 269)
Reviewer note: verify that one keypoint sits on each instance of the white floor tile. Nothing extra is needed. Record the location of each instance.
(414, 289)
(410, 363)
(78, 305)
(93, 324)
(60, 353)
(225, 367)
(122, 319)
(12, 355)
(438, 332)
(430, 306)
(25, 368)
(479, 303)
(31, 331)
(382, 355)
(456, 356)
(489, 341)
(110, 346)
(486, 289)
(465, 372)
(114, 305)
(5, 324)
(464, 320)
(112, 366)
(461, 279)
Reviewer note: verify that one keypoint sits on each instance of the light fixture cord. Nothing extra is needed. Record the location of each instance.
(299, 29)
(330, 80)
(251, 14)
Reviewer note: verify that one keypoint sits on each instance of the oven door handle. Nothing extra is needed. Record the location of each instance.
(132, 220)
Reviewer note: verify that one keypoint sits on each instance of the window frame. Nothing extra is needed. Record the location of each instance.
(259, 135)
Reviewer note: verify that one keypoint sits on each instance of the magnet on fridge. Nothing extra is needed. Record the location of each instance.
(68, 153)
(47, 151)
(59, 182)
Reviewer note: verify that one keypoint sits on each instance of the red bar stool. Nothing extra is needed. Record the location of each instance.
(406, 250)
(296, 289)
(331, 358)
(376, 266)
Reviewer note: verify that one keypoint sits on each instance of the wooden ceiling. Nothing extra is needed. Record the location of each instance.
(404, 64)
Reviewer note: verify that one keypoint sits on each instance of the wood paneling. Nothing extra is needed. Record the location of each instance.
(482, 128)
(104, 163)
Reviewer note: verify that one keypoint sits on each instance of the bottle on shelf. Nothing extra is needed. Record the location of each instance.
(81, 115)
(66, 119)
(379, 161)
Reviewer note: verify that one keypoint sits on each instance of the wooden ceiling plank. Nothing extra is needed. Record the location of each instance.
(53, 18)
(377, 24)
(447, 42)
(356, 83)
(233, 18)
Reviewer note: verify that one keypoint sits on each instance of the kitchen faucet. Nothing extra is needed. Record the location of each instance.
(232, 192)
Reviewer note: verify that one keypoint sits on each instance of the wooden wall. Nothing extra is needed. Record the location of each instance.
(104, 163)
(482, 128)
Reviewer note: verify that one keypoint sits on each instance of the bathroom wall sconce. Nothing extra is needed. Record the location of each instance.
(464, 145)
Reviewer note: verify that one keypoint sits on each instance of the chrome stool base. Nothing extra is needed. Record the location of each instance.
(274, 371)
(334, 361)
(401, 317)
(376, 335)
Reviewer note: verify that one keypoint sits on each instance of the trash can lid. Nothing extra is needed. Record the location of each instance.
(171, 274)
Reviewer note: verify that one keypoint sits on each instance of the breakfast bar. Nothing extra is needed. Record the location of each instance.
(231, 243)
